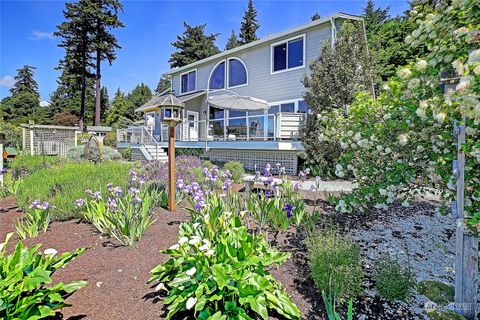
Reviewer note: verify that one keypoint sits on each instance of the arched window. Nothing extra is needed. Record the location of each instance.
(237, 73)
(217, 78)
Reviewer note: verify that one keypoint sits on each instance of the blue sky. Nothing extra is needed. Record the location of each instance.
(26, 34)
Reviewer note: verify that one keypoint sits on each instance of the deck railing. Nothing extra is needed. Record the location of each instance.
(278, 126)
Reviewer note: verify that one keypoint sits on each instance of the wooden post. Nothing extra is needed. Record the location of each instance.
(1, 165)
(172, 205)
(466, 255)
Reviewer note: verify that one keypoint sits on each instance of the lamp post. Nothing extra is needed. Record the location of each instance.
(171, 114)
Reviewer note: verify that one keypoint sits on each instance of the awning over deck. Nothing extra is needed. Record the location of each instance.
(157, 100)
(228, 100)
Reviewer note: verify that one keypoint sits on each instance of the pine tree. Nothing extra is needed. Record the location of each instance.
(24, 81)
(137, 97)
(121, 106)
(233, 41)
(316, 16)
(193, 45)
(105, 17)
(163, 84)
(76, 34)
(374, 17)
(104, 104)
(249, 26)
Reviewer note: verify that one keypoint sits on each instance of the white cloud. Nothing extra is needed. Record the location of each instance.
(40, 35)
(7, 81)
(44, 103)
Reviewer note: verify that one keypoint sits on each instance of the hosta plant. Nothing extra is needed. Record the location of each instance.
(25, 282)
(217, 270)
(36, 219)
(124, 216)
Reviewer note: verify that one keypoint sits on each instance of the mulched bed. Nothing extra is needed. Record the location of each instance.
(117, 275)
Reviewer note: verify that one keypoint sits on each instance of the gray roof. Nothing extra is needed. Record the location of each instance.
(164, 100)
(267, 39)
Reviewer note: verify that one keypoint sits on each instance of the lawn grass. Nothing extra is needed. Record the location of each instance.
(61, 185)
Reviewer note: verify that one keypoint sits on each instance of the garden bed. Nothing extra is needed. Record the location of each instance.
(117, 274)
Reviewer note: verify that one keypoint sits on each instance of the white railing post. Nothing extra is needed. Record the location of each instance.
(466, 255)
(248, 127)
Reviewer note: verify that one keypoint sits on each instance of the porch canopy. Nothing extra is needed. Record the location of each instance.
(229, 100)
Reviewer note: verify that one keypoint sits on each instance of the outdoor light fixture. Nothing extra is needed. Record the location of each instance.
(171, 115)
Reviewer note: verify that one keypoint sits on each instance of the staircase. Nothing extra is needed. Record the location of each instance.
(150, 152)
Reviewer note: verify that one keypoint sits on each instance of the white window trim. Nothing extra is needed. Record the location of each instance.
(303, 36)
(294, 101)
(184, 73)
(227, 69)
(224, 74)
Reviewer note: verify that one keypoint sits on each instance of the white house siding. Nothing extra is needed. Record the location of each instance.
(261, 83)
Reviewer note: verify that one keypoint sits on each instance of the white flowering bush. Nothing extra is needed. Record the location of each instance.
(401, 143)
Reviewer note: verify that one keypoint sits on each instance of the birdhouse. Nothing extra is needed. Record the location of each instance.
(171, 110)
(9, 153)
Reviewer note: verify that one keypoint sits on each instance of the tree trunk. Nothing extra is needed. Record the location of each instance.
(97, 91)
(82, 100)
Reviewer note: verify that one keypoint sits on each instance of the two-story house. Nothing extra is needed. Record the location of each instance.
(266, 72)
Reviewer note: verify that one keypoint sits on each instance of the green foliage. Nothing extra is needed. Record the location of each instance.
(110, 139)
(65, 118)
(108, 153)
(124, 216)
(126, 153)
(196, 152)
(63, 184)
(330, 302)
(36, 219)
(13, 134)
(236, 170)
(10, 186)
(437, 291)
(218, 270)
(335, 263)
(394, 280)
(249, 26)
(138, 97)
(445, 315)
(25, 274)
(82, 138)
(25, 164)
(163, 84)
(232, 41)
(193, 45)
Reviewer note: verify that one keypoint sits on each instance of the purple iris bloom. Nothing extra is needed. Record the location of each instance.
(79, 202)
(180, 184)
(288, 208)
(3, 171)
(133, 191)
(117, 191)
(35, 204)
(302, 175)
(227, 185)
(110, 187)
(111, 204)
(266, 171)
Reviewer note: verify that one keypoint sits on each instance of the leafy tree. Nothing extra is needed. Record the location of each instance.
(121, 107)
(316, 16)
(233, 41)
(105, 17)
(76, 34)
(65, 118)
(250, 25)
(163, 84)
(138, 96)
(193, 45)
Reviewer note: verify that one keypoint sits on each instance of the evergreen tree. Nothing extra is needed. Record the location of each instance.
(137, 97)
(316, 16)
(76, 34)
(120, 108)
(374, 17)
(193, 45)
(104, 104)
(233, 41)
(249, 26)
(105, 17)
(24, 81)
(163, 84)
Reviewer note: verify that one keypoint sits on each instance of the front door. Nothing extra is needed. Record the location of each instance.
(191, 126)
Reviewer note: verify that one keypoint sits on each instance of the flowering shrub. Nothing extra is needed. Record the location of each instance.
(24, 275)
(35, 219)
(401, 143)
(217, 269)
(124, 216)
(186, 170)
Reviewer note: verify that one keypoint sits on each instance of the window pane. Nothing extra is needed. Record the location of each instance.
(257, 127)
(302, 106)
(237, 74)
(184, 83)
(234, 114)
(217, 80)
(295, 53)
(216, 113)
(191, 81)
(280, 57)
(288, 107)
(274, 109)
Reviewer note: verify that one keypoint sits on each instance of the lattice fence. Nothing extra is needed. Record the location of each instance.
(252, 159)
(48, 140)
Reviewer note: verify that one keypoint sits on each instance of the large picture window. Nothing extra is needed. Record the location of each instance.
(288, 54)
(228, 73)
(237, 73)
(188, 81)
(217, 78)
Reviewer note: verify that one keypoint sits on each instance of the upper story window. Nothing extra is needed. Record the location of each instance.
(188, 81)
(299, 106)
(231, 73)
(289, 54)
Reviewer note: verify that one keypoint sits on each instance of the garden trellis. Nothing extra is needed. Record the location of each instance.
(466, 257)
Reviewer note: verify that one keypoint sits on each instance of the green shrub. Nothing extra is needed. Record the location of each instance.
(236, 170)
(335, 263)
(35, 219)
(207, 164)
(25, 164)
(108, 153)
(394, 280)
(10, 186)
(25, 274)
(62, 185)
(126, 153)
(13, 134)
(197, 152)
(437, 291)
(110, 139)
(82, 138)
